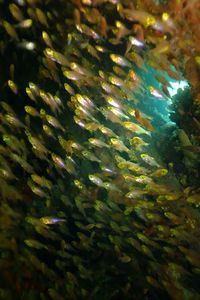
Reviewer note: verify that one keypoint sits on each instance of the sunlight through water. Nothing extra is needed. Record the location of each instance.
(177, 85)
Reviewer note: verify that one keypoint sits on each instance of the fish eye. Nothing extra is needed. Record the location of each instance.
(107, 184)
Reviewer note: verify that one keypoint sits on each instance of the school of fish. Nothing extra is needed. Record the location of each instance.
(88, 211)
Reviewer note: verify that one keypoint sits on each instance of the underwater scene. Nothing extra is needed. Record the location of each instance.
(100, 150)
